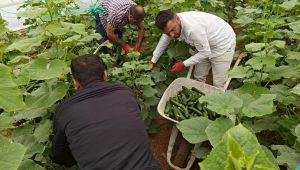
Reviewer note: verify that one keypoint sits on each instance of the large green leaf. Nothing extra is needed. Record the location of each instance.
(239, 72)
(284, 95)
(25, 45)
(10, 97)
(278, 43)
(6, 122)
(144, 80)
(90, 37)
(243, 20)
(201, 152)
(267, 123)
(18, 59)
(11, 154)
(151, 101)
(42, 69)
(252, 89)
(78, 28)
(252, 47)
(33, 12)
(193, 130)
(57, 29)
(30, 114)
(32, 145)
(286, 156)
(297, 132)
(217, 129)
(260, 107)
(296, 89)
(158, 76)
(47, 94)
(239, 149)
(295, 26)
(30, 165)
(3, 29)
(55, 52)
(74, 38)
(42, 132)
(293, 55)
(288, 5)
(149, 91)
(276, 73)
(26, 129)
(222, 103)
(257, 63)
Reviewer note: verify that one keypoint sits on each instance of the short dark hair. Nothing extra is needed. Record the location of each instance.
(163, 18)
(137, 12)
(88, 68)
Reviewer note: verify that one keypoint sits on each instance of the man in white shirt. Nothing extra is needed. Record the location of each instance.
(213, 38)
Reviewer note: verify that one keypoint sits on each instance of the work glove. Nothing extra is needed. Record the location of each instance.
(178, 67)
(126, 48)
(136, 48)
(152, 64)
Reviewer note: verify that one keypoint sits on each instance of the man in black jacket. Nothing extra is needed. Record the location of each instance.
(100, 126)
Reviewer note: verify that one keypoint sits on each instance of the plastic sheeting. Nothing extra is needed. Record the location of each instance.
(9, 10)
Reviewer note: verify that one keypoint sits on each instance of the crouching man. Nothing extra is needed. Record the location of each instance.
(100, 127)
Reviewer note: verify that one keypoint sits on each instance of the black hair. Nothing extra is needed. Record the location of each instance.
(137, 12)
(163, 18)
(88, 68)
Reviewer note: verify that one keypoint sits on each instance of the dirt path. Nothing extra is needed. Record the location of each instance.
(159, 141)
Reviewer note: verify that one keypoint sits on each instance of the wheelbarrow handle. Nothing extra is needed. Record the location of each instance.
(240, 58)
(172, 140)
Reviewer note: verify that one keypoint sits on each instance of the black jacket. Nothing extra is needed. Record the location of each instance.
(100, 127)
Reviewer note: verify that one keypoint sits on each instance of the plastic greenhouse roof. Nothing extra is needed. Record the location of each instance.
(8, 11)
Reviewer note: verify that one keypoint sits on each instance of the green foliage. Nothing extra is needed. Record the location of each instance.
(42, 69)
(6, 122)
(11, 154)
(260, 107)
(223, 104)
(30, 164)
(217, 129)
(193, 130)
(286, 156)
(10, 95)
(25, 45)
(46, 95)
(238, 149)
(35, 77)
(296, 89)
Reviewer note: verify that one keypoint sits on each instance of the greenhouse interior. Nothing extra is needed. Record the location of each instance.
(149, 85)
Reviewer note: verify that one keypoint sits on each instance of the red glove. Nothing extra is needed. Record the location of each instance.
(136, 48)
(178, 67)
(153, 64)
(126, 48)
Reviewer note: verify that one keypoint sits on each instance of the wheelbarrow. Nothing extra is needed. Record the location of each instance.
(173, 90)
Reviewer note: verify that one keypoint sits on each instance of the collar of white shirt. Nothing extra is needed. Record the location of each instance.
(182, 36)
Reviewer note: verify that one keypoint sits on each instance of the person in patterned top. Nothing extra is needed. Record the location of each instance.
(117, 14)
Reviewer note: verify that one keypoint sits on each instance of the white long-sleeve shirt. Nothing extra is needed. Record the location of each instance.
(210, 34)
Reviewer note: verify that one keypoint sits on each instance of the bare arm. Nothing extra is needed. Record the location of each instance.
(140, 33)
(113, 37)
